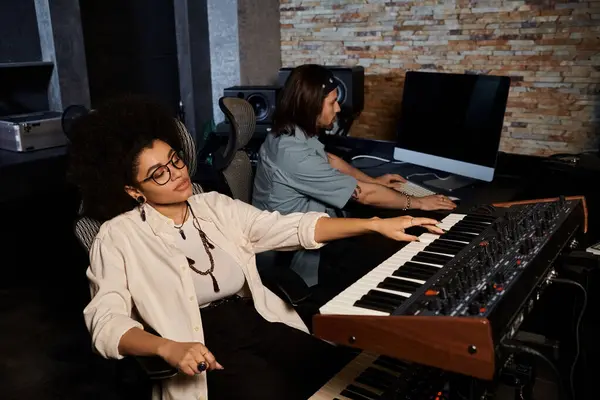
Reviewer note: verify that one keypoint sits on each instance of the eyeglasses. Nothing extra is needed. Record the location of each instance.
(162, 174)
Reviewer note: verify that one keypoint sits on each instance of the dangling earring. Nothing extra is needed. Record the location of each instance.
(141, 200)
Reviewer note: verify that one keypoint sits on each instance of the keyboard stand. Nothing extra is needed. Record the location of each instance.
(451, 183)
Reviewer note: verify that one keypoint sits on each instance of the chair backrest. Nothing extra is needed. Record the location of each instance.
(87, 228)
(238, 169)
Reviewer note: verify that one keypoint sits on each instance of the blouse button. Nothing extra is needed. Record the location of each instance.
(196, 328)
(191, 298)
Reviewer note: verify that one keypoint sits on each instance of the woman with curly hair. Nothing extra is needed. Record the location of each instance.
(184, 265)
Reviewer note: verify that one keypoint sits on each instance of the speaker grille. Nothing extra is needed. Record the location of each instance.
(263, 100)
(260, 104)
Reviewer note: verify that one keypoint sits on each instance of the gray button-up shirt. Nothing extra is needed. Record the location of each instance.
(294, 175)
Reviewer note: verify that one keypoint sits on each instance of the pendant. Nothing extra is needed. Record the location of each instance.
(215, 283)
(182, 233)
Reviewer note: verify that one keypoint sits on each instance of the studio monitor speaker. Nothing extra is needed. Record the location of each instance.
(351, 87)
(262, 98)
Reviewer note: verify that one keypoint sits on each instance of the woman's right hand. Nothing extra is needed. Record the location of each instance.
(187, 356)
(393, 228)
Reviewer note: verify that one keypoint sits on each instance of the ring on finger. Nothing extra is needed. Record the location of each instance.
(202, 366)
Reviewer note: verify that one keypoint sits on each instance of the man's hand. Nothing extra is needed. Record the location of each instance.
(433, 202)
(394, 227)
(393, 181)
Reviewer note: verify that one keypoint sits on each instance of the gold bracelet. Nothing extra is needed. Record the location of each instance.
(408, 201)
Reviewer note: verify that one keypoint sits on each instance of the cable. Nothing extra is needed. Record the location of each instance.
(517, 347)
(572, 372)
(429, 173)
(385, 160)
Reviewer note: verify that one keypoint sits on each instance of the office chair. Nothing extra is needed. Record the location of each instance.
(236, 168)
(234, 163)
(87, 228)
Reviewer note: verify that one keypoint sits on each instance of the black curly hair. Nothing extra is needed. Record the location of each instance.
(104, 149)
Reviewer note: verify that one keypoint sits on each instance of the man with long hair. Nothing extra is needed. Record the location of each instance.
(296, 174)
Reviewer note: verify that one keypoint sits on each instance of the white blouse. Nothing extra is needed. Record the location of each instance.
(227, 272)
(138, 274)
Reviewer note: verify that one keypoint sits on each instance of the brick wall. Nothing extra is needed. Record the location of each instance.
(550, 48)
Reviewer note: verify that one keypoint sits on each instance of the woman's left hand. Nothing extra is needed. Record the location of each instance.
(394, 227)
(393, 181)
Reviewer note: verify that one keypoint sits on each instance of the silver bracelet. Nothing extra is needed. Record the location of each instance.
(408, 201)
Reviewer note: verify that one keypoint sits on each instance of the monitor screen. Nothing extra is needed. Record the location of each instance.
(454, 118)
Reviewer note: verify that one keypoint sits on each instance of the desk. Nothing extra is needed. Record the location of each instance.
(503, 188)
(30, 173)
(517, 177)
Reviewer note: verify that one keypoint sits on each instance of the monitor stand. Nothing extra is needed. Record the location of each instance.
(451, 183)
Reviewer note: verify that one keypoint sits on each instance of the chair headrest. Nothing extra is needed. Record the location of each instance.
(189, 148)
(241, 117)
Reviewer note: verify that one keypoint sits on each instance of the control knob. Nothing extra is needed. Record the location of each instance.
(499, 277)
(539, 229)
(434, 304)
(526, 246)
(473, 309)
(523, 249)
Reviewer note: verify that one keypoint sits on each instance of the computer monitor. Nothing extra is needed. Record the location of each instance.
(452, 123)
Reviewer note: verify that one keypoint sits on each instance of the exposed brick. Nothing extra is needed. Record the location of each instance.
(548, 48)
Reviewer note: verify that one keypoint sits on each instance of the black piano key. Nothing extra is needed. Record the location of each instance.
(472, 222)
(461, 230)
(412, 274)
(399, 285)
(437, 259)
(448, 243)
(465, 229)
(473, 225)
(420, 267)
(354, 396)
(397, 299)
(441, 249)
(479, 218)
(466, 224)
(390, 363)
(478, 225)
(395, 361)
(370, 305)
(362, 391)
(379, 375)
(462, 237)
(372, 382)
(380, 301)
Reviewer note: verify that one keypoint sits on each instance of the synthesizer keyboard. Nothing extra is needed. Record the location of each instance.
(448, 300)
(371, 376)
(386, 287)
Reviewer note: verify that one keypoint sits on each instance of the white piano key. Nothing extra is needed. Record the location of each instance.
(427, 238)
